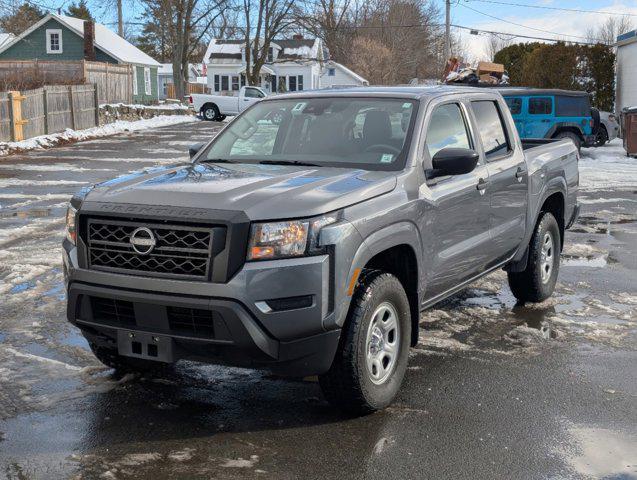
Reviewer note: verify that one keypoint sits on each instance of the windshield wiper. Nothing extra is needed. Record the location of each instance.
(288, 162)
(217, 160)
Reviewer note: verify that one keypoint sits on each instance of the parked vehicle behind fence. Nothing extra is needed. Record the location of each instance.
(309, 234)
(218, 107)
(550, 113)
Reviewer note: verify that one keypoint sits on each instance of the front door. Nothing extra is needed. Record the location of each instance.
(458, 226)
(508, 179)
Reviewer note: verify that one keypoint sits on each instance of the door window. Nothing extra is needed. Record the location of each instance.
(540, 105)
(514, 104)
(447, 129)
(253, 93)
(491, 128)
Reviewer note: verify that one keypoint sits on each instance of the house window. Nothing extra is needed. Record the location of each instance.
(147, 83)
(270, 55)
(217, 83)
(331, 72)
(296, 83)
(243, 80)
(54, 41)
(235, 83)
(134, 80)
(224, 83)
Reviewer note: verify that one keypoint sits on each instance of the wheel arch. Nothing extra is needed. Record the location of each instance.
(396, 249)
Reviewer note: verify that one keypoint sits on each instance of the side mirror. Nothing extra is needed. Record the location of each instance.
(194, 148)
(454, 161)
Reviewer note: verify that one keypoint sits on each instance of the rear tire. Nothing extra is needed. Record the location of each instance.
(373, 352)
(573, 136)
(537, 282)
(110, 358)
(602, 137)
(210, 112)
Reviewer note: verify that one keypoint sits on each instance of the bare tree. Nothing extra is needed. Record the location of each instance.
(608, 32)
(495, 43)
(267, 19)
(185, 22)
(331, 21)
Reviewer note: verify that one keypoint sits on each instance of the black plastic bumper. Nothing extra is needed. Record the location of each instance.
(210, 330)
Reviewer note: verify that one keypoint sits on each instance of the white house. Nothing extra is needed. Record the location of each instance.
(335, 75)
(293, 64)
(165, 76)
(626, 95)
(6, 38)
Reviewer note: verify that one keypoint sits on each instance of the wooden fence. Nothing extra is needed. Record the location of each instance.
(47, 110)
(190, 88)
(114, 81)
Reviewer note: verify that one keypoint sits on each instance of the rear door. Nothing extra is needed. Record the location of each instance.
(508, 177)
(540, 118)
(459, 228)
(515, 107)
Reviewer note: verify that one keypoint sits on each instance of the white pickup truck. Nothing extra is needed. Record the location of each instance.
(218, 107)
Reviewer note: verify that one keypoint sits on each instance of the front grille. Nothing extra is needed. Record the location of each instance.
(191, 321)
(113, 312)
(182, 251)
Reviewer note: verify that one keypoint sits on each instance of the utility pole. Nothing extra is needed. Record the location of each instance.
(447, 29)
(120, 21)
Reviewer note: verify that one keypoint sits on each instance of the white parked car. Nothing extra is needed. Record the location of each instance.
(218, 107)
(608, 128)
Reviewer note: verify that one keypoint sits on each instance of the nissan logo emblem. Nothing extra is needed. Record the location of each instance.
(143, 240)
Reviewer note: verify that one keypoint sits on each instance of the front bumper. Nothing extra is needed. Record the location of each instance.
(239, 326)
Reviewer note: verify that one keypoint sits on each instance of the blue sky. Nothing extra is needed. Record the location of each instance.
(569, 25)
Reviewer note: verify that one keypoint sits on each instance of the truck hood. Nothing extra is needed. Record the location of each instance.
(260, 191)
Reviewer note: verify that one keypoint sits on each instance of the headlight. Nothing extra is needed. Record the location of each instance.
(286, 239)
(71, 232)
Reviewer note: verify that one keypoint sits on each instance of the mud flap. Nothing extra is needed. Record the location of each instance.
(146, 346)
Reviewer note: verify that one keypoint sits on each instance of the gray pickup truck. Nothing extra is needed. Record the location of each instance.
(308, 242)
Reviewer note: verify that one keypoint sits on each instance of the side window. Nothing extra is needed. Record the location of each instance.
(447, 129)
(253, 93)
(514, 104)
(540, 105)
(492, 130)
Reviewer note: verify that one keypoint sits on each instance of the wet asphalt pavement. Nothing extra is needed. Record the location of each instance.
(493, 390)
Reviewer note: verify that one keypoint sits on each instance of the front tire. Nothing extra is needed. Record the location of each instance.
(537, 282)
(373, 352)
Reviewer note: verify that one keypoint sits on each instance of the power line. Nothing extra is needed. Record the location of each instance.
(562, 9)
(520, 25)
(517, 35)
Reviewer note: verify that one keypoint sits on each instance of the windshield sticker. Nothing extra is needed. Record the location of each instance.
(406, 105)
(298, 108)
(387, 158)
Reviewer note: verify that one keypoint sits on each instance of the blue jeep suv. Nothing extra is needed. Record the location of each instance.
(542, 113)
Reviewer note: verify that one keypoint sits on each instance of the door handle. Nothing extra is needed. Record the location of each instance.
(520, 173)
(482, 185)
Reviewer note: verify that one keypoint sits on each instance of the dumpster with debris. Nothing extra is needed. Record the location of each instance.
(629, 130)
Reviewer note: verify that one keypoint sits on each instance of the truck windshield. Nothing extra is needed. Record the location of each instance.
(367, 133)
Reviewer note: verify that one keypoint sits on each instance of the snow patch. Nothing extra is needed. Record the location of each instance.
(241, 462)
(114, 128)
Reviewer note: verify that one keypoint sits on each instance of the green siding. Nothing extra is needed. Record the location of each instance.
(33, 46)
(141, 96)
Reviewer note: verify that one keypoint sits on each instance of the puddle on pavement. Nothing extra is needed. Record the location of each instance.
(603, 454)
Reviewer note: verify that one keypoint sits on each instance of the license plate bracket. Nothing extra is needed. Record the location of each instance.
(147, 346)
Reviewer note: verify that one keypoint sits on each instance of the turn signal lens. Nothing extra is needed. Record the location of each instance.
(71, 232)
